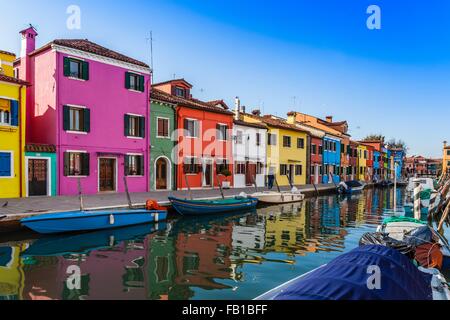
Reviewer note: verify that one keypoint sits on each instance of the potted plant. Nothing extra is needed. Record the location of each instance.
(226, 173)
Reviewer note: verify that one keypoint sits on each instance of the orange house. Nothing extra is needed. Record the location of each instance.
(204, 138)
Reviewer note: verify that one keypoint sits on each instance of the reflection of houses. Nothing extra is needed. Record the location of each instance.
(204, 256)
(11, 273)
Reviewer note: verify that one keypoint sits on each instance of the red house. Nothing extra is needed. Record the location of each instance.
(316, 150)
(204, 148)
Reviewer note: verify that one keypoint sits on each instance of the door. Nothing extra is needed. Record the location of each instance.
(107, 175)
(37, 177)
(250, 173)
(208, 173)
(161, 174)
(291, 173)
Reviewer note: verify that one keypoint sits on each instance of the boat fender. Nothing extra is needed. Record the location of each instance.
(243, 195)
(156, 217)
(111, 219)
(153, 205)
(111, 241)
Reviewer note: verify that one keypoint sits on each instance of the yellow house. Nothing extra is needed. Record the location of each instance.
(286, 149)
(446, 158)
(12, 277)
(12, 128)
(362, 162)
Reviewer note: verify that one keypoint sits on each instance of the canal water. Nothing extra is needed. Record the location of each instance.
(237, 256)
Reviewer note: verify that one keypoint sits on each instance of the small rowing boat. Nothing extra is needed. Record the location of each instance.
(273, 197)
(350, 187)
(79, 221)
(203, 207)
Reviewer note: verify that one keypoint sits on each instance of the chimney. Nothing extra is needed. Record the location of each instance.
(256, 112)
(291, 118)
(243, 109)
(329, 119)
(445, 144)
(237, 108)
(28, 41)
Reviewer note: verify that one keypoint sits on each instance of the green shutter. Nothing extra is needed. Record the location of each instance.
(85, 164)
(127, 80)
(127, 164)
(66, 67)
(126, 128)
(141, 165)
(85, 70)
(87, 120)
(142, 127)
(141, 83)
(66, 163)
(14, 113)
(66, 118)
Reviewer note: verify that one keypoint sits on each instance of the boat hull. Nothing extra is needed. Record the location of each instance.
(278, 198)
(195, 208)
(79, 221)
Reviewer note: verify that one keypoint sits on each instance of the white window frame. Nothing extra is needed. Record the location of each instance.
(12, 175)
(135, 115)
(168, 128)
(226, 133)
(198, 128)
(143, 159)
(75, 151)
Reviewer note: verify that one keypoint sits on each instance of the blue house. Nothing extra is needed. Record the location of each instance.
(331, 159)
(376, 165)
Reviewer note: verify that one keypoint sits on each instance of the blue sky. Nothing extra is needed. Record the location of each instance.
(313, 56)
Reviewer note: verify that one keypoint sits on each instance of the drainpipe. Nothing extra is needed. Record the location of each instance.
(176, 165)
(22, 149)
(149, 131)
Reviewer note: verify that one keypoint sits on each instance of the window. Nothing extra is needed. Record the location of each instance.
(76, 119)
(239, 137)
(162, 129)
(9, 112)
(180, 92)
(301, 143)
(298, 170)
(76, 69)
(272, 139)
(134, 126)
(286, 141)
(5, 117)
(221, 166)
(342, 148)
(321, 170)
(240, 167)
(191, 126)
(313, 149)
(320, 150)
(365, 154)
(134, 165)
(313, 170)
(448, 152)
(258, 139)
(6, 165)
(192, 165)
(222, 132)
(283, 169)
(76, 164)
(259, 168)
(134, 82)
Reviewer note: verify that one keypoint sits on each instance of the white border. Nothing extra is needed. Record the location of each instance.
(49, 176)
(168, 127)
(11, 165)
(169, 173)
(116, 174)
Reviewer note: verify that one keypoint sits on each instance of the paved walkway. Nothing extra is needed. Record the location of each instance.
(15, 209)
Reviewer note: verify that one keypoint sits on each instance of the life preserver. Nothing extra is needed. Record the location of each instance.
(153, 205)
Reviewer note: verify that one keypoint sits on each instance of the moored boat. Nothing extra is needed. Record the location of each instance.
(203, 207)
(350, 187)
(273, 197)
(78, 221)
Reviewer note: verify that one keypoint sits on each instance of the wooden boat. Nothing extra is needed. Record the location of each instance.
(350, 187)
(77, 221)
(346, 278)
(203, 207)
(273, 197)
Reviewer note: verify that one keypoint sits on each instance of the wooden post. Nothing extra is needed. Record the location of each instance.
(189, 188)
(417, 201)
(444, 217)
(315, 187)
(254, 182)
(220, 187)
(130, 205)
(80, 195)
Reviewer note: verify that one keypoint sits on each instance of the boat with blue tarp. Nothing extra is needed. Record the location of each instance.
(202, 207)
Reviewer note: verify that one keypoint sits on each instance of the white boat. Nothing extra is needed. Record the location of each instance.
(274, 197)
(425, 183)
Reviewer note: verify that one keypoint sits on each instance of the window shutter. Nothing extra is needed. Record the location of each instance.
(127, 80)
(141, 165)
(66, 163)
(66, 118)
(160, 127)
(85, 70)
(127, 164)
(14, 113)
(141, 83)
(142, 127)
(66, 67)
(85, 164)
(186, 124)
(126, 123)
(5, 164)
(196, 129)
(87, 120)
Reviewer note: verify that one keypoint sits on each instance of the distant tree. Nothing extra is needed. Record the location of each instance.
(393, 143)
(375, 137)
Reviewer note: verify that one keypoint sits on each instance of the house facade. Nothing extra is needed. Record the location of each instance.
(353, 173)
(362, 162)
(203, 138)
(446, 158)
(249, 151)
(12, 129)
(92, 104)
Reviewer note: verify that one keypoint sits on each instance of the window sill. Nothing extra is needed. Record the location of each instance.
(135, 91)
(160, 137)
(77, 79)
(135, 176)
(136, 138)
(11, 177)
(76, 132)
(74, 177)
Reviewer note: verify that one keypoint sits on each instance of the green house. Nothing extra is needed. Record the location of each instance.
(40, 170)
(163, 124)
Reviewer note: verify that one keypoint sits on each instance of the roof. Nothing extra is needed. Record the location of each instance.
(91, 47)
(174, 80)
(250, 124)
(13, 80)
(281, 124)
(190, 103)
(34, 147)
(216, 102)
(7, 53)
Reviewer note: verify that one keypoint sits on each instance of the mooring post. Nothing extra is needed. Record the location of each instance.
(417, 203)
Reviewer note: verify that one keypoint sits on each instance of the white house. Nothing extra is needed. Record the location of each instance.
(249, 151)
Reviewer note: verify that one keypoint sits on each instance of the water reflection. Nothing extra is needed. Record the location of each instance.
(233, 257)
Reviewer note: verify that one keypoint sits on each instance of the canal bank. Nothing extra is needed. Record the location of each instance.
(13, 210)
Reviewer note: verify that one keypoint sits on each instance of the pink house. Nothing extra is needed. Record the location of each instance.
(91, 103)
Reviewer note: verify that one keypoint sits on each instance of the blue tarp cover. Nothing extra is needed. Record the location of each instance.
(346, 278)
